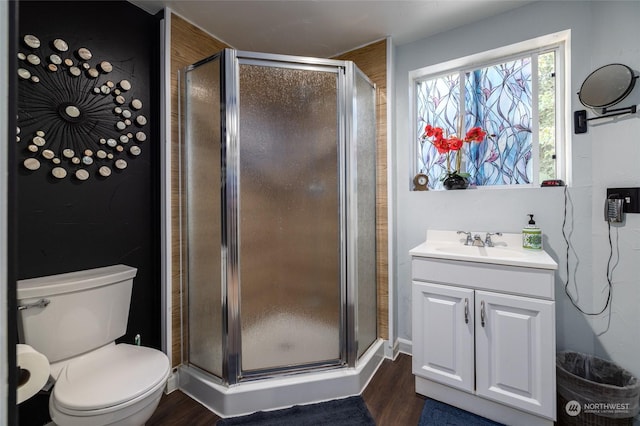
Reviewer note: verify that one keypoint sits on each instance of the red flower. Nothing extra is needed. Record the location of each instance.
(430, 131)
(475, 134)
(455, 143)
(441, 144)
(452, 143)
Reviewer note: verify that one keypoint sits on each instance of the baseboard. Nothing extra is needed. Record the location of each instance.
(405, 346)
(172, 381)
(391, 351)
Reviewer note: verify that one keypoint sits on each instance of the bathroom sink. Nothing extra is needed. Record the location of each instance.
(480, 251)
(507, 250)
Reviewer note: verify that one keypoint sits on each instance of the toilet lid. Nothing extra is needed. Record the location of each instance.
(109, 376)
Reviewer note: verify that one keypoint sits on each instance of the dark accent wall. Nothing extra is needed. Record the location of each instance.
(66, 225)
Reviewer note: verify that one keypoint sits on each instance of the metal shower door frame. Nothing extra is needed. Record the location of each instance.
(233, 59)
(230, 323)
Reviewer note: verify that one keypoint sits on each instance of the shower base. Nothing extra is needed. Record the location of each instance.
(280, 392)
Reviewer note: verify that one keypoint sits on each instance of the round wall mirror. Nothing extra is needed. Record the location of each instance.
(607, 86)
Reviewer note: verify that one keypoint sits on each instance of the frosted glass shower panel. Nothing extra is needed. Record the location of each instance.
(202, 192)
(289, 217)
(365, 191)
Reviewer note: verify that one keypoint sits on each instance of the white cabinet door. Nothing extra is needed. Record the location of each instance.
(443, 334)
(515, 351)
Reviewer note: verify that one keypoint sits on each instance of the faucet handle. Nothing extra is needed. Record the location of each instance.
(469, 238)
(487, 238)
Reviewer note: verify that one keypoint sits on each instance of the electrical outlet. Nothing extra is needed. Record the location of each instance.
(631, 197)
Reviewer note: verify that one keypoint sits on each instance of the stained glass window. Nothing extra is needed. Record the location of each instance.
(513, 100)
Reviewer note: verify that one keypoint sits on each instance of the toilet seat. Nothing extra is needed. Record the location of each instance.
(109, 379)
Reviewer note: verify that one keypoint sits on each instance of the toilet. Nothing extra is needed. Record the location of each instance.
(74, 319)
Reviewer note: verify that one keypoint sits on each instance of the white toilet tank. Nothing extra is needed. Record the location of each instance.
(85, 310)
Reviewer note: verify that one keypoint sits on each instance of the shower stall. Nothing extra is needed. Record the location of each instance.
(278, 202)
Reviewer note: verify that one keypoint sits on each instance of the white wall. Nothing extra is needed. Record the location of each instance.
(615, 158)
(607, 156)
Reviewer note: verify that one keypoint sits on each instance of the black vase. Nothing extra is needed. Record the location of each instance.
(454, 181)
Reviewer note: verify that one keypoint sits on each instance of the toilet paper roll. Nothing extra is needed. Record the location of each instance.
(33, 371)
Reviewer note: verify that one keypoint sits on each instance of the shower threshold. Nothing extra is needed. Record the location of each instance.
(280, 392)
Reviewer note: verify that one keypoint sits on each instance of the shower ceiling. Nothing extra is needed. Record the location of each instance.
(324, 28)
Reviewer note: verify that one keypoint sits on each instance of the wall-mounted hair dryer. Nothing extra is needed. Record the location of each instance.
(620, 201)
(613, 209)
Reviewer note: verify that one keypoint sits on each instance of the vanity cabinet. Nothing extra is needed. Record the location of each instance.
(443, 323)
(484, 338)
(515, 351)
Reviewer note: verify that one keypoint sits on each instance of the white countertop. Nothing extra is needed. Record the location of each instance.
(507, 250)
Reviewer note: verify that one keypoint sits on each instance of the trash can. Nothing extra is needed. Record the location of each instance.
(594, 391)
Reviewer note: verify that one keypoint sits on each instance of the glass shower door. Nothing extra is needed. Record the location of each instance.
(201, 190)
(289, 221)
(363, 151)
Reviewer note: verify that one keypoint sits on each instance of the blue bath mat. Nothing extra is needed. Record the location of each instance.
(436, 413)
(350, 411)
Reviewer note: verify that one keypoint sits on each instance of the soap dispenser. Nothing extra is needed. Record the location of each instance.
(532, 235)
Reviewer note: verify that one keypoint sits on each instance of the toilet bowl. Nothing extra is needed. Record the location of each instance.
(114, 385)
(74, 320)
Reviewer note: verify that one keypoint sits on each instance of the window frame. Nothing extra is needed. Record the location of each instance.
(558, 42)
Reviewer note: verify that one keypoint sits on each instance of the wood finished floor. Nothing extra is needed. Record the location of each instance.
(390, 397)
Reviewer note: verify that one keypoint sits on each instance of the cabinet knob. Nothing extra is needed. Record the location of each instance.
(466, 310)
(482, 313)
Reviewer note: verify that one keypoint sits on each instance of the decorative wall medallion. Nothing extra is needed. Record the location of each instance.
(73, 121)
(60, 45)
(32, 41)
(24, 74)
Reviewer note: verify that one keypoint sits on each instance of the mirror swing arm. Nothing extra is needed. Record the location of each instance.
(602, 89)
(580, 117)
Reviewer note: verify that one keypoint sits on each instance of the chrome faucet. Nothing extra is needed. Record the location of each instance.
(469, 241)
(477, 241)
(487, 238)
